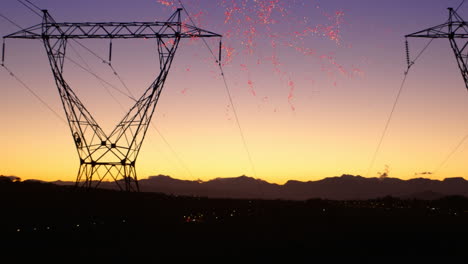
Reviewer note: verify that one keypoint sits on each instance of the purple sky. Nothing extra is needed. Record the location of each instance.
(313, 83)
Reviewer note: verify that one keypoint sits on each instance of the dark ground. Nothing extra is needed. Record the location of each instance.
(45, 221)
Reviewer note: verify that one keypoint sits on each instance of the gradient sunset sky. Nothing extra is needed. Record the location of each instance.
(313, 83)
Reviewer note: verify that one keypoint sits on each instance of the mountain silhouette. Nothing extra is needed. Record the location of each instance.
(345, 187)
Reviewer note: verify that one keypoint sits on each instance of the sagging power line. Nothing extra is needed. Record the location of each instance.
(228, 92)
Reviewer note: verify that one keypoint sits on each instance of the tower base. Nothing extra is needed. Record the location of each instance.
(90, 176)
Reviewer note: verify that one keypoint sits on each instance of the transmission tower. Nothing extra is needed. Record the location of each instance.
(110, 155)
(456, 31)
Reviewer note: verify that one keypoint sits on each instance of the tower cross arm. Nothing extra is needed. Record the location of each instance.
(454, 27)
(446, 30)
(112, 30)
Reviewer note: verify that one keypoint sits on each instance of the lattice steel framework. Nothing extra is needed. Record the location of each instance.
(110, 155)
(456, 31)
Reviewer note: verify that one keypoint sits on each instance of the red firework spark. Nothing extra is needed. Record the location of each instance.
(166, 3)
(291, 94)
(251, 88)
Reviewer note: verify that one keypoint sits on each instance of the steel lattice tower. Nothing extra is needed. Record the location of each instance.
(456, 31)
(110, 155)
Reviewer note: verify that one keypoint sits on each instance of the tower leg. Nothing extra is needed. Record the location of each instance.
(90, 176)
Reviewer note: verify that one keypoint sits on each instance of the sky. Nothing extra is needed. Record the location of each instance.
(312, 81)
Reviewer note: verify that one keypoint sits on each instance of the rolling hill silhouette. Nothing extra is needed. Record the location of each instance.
(345, 187)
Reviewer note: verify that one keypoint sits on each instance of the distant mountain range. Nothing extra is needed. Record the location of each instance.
(345, 187)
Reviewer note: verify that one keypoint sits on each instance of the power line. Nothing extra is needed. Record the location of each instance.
(100, 81)
(179, 159)
(462, 2)
(97, 76)
(420, 53)
(228, 94)
(110, 65)
(103, 60)
(91, 51)
(238, 123)
(25, 85)
(28, 7)
(384, 132)
(35, 6)
(9, 20)
(387, 124)
(76, 63)
(34, 94)
(73, 61)
(450, 154)
(130, 95)
(121, 80)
